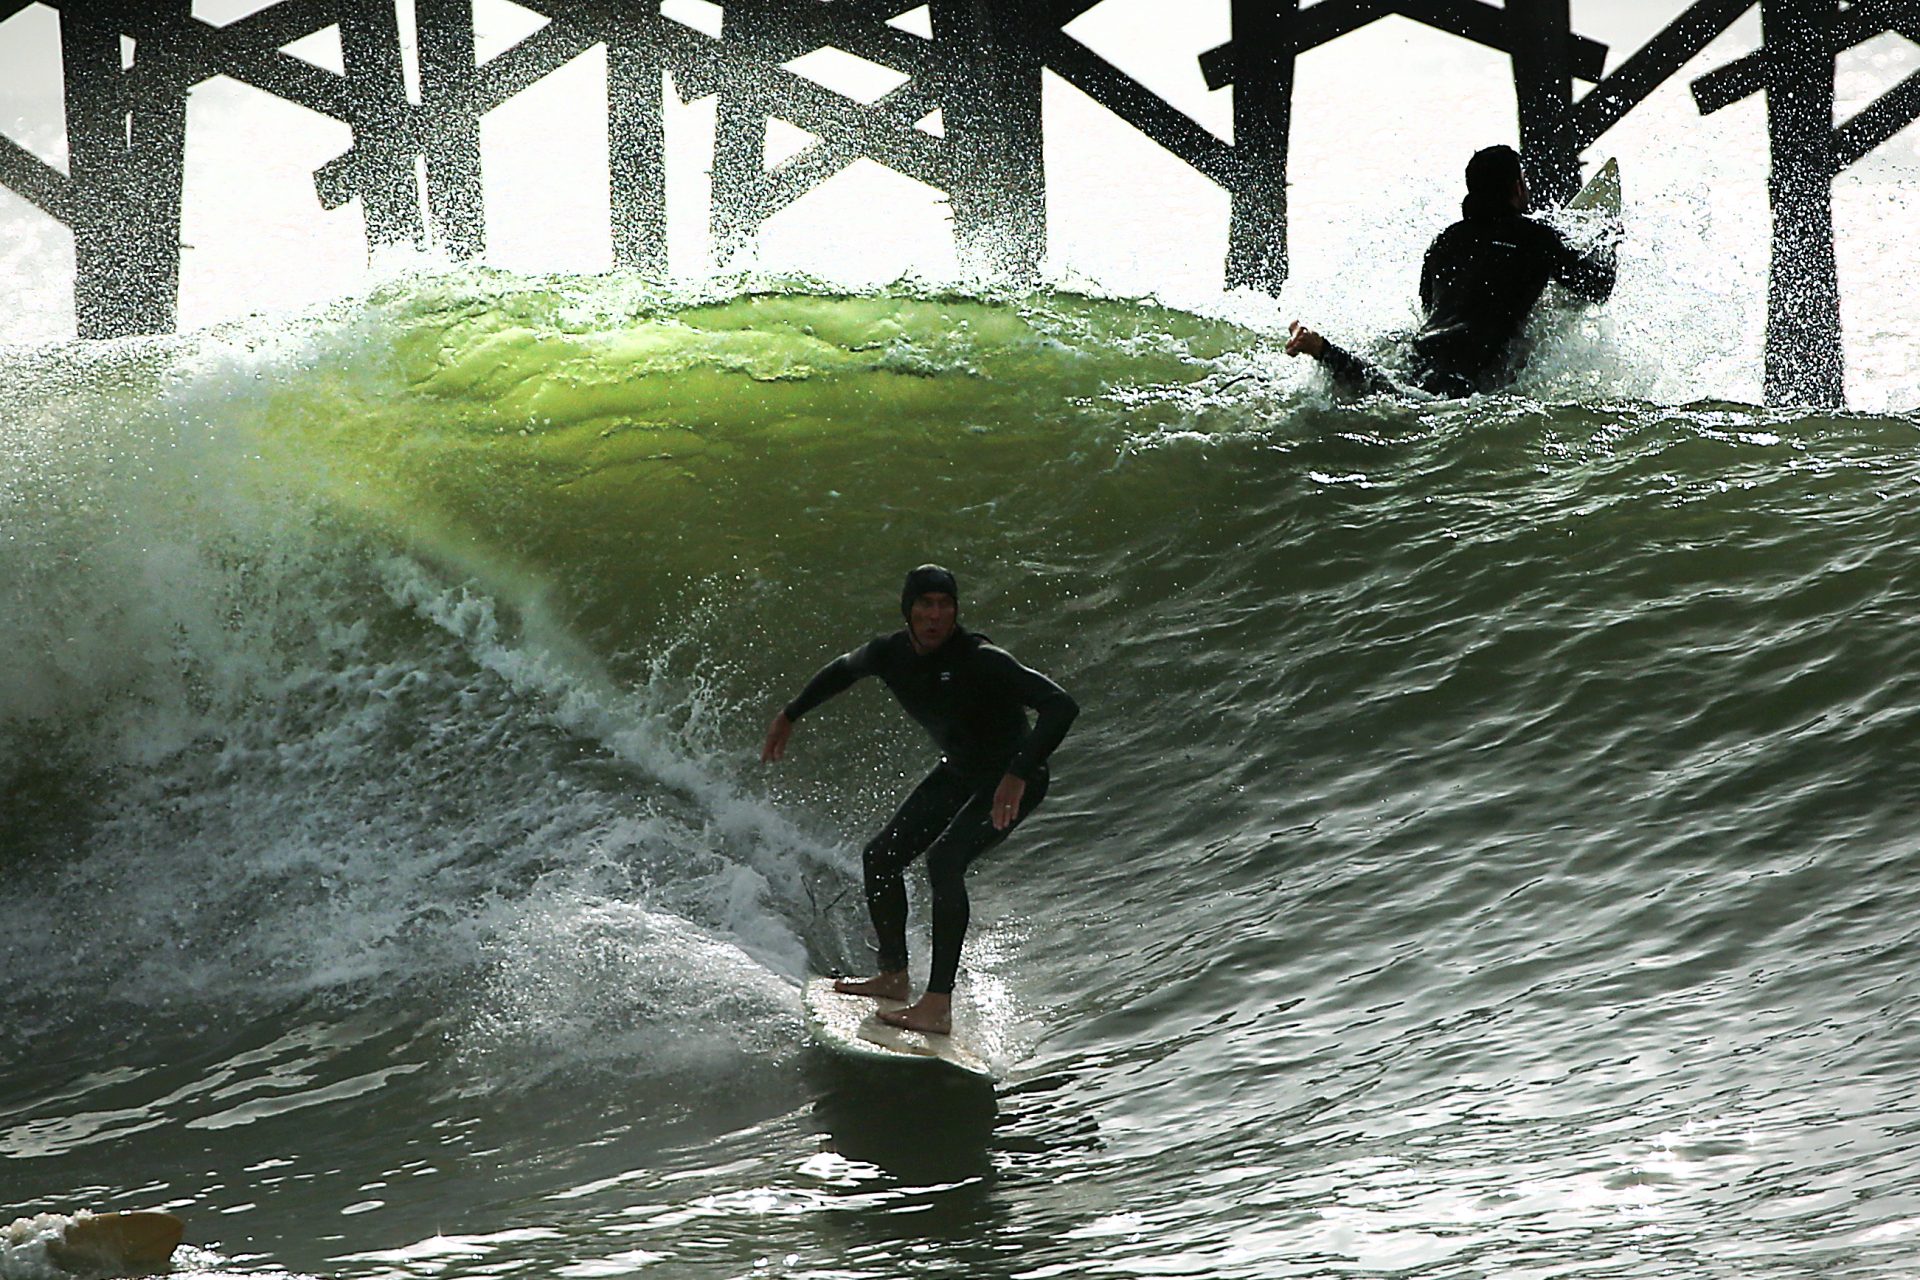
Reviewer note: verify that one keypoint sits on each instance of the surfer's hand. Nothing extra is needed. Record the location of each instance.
(777, 734)
(1302, 339)
(1006, 801)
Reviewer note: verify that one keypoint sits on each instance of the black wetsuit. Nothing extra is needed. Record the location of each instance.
(971, 696)
(1481, 278)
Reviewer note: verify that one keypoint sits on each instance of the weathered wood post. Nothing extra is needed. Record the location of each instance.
(637, 145)
(740, 137)
(990, 97)
(1263, 74)
(1540, 38)
(1804, 364)
(377, 107)
(449, 70)
(125, 165)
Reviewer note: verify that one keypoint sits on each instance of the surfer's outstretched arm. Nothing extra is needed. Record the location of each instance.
(835, 678)
(1350, 372)
(1590, 274)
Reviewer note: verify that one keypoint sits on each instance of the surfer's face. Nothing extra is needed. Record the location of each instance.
(931, 619)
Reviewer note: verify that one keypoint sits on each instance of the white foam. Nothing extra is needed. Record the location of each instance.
(327, 765)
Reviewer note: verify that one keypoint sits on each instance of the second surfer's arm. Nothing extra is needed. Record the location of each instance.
(1353, 374)
(1591, 274)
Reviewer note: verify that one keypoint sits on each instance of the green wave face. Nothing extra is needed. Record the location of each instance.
(776, 438)
(631, 468)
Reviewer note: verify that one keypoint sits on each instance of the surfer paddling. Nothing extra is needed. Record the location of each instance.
(972, 697)
(1481, 278)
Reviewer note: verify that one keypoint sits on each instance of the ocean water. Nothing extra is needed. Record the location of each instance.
(1486, 848)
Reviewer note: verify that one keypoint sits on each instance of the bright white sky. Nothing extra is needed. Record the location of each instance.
(1383, 121)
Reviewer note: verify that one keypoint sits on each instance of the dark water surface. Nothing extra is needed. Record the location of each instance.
(1486, 850)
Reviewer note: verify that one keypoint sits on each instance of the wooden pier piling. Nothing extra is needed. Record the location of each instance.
(1262, 77)
(449, 96)
(1803, 358)
(1540, 38)
(637, 149)
(126, 160)
(989, 72)
(377, 108)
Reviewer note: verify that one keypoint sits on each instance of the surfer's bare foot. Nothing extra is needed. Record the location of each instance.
(933, 1016)
(888, 986)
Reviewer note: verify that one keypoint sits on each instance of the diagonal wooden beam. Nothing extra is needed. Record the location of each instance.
(248, 50)
(255, 60)
(1472, 20)
(1744, 77)
(1652, 65)
(34, 180)
(271, 29)
(1874, 125)
(1486, 24)
(1061, 12)
(1901, 16)
(882, 10)
(495, 82)
(801, 173)
(1311, 28)
(573, 27)
(701, 74)
(1127, 98)
(578, 25)
(701, 65)
(806, 28)
(903, 149)
(280, 24)
(1331, 19)
(701, 61)
(538, 56)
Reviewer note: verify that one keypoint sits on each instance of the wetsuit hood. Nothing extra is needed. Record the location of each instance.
(1491, 174)
(928, 579)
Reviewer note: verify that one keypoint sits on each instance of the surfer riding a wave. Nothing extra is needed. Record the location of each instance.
(972, 697)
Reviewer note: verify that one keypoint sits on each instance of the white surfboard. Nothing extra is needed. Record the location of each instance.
(1602, 191)
(1589, 221)
(847, 1024)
